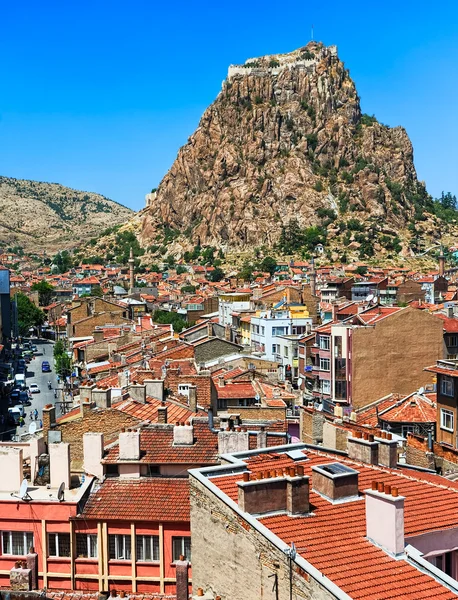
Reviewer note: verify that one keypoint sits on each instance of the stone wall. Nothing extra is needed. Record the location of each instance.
(334, 437)
(206, 393)
(232, 559)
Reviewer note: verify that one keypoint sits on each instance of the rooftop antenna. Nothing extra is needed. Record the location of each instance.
(23, 492)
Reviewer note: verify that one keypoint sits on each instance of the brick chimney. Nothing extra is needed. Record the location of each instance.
(363, 447)
(387, 450)
(182, 578)
(49, 418)
(183, 435)
(335, 482)
(129, 445)
(385, 518)
(162, 413)
(193, 398)
(221, 381)
(274, 490)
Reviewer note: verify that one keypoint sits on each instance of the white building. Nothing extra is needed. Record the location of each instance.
(230, 303)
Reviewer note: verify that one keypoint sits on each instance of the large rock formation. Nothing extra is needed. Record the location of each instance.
(48, 216)
(285, 138)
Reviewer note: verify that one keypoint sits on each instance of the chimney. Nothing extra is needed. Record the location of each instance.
(123, 360)
(129, 445)
(182, 579)
(193, 398)
(49, 418)
(209, 329)
(59, 464)
(335, 482)
(32, 564)
(221, 381)
(93, 454)
(274, 490)
(155, 388)
(86, 392)
(102, 396)
(183, 435)
(450, 311)
(385, 518)
(387, 450)
(85, 408)
(363, 447)
(137, 392)
(11, 469)
(162, 413)
(230, 441)
(261, 438)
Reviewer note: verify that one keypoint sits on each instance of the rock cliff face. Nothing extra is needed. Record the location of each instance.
(285, 138)
(48, 216)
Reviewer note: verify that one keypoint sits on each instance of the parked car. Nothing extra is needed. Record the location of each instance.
(34, 389)
(45, 367)
(34, 348)
(24, 399)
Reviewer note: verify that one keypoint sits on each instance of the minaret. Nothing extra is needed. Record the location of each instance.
(441, 263)
(131, 271)
(313, 278)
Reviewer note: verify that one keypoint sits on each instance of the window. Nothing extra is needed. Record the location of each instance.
(86, 545)
(16, 543)
(325, 386)
(447, 419)
(183, 389)
(147, 547)
(446, 385)
(263, 329)
(279, 330)
(119, 546)
(341, 390)
(181, 545)
(324, 342)
(275, 348)
(285, 351)
(58, 544)
(453, 340)
(325, 364)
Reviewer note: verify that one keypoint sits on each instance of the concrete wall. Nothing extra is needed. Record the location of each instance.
(233, 560)
(391, 356)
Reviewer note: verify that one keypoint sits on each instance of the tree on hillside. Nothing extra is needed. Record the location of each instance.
(63, 261)
(268, 264)
(28, 314)
(45, 292)
(170, 318)
(216, 275)
(97, 291)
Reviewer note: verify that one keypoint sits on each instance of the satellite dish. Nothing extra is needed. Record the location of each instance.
(370, 298)
(23, 488)
(60, 492)
(257, 397)
(32, 427)
(421, 390)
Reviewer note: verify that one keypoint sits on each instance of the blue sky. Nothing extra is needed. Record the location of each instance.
(100, 95)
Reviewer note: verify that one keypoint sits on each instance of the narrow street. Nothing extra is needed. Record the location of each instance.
(34, 375)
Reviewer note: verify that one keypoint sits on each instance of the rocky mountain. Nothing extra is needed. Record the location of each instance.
(48, 216)
(285, 145)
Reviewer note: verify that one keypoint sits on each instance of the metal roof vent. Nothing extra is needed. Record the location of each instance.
(335, 482)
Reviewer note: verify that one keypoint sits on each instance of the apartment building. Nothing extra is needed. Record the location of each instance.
(229, 303)
(377, 352)
(275, 333)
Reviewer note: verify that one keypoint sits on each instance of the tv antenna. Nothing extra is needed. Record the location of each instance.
(23, 492)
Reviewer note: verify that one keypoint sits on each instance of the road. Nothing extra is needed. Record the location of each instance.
(34, 375)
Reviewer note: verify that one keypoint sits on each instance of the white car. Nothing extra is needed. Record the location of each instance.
(34, 389)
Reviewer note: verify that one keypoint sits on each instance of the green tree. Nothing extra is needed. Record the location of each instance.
(58, 348)
(97, 291)
(291, 237)
(45, 292)
(28, 314)
(181, 270)
(216, 275)
(188, 289)
(165, 317)
(246, 272)
(63, 261)
(268, 264)
(63, 365)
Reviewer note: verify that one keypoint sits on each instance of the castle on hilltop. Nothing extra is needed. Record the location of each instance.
(275, 63)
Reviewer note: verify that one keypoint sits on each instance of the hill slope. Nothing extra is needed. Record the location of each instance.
(285, 145)
(51, 217)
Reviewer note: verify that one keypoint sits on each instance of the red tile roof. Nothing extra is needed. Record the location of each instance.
(334, 540)
(148, 412)
(450, 325)
(397, 408)
(151, 499)
(156, 447)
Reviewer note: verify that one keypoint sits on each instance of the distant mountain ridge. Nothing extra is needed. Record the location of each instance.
(41, 216)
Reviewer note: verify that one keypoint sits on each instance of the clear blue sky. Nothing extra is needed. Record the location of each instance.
(99, 95)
